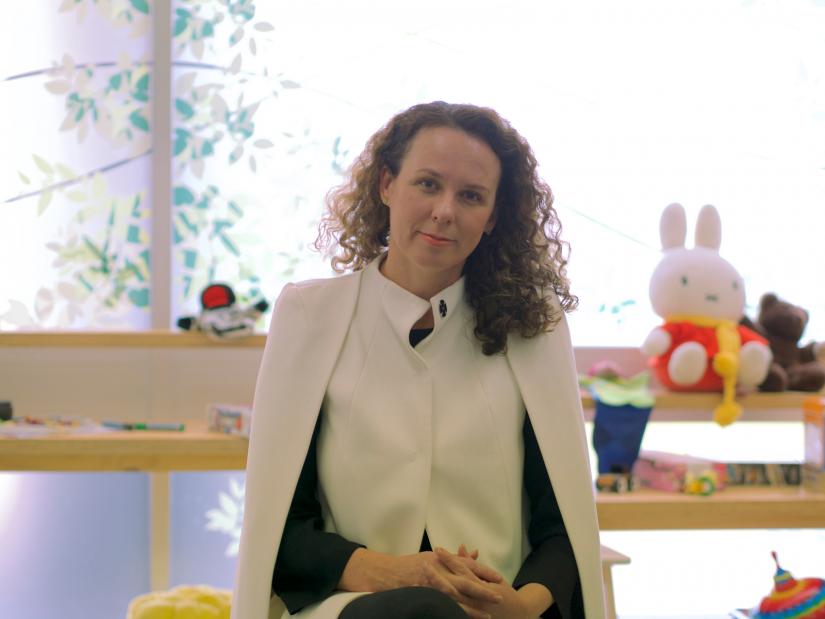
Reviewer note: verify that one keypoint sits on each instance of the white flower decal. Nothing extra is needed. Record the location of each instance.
(229, 516)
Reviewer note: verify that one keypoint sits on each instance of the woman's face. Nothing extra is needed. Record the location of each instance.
(441, 202)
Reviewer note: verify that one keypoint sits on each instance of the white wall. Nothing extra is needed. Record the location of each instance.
(156, 384)
(126, 383)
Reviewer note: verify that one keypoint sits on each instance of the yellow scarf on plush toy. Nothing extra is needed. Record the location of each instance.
(725, 362)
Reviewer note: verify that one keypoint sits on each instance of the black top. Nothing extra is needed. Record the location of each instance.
(310, 561)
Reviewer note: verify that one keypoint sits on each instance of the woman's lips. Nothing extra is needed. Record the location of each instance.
(437, 241)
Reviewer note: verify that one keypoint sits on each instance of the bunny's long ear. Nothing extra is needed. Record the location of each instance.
(673, 227)
(709, 228)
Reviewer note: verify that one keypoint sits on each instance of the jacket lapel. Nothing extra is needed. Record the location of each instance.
(544, 368)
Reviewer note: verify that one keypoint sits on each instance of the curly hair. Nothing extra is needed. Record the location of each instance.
(509, 274)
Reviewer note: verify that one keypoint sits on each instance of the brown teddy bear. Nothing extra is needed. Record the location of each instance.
(793, 368)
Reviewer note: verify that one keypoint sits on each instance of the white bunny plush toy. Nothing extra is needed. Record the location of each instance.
(701, 297)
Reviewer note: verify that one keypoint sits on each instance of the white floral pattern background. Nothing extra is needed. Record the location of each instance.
(629, 106)
(227, 518)
(74, 166)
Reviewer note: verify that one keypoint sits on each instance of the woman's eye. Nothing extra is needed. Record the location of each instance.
(472, 196)
(427, 183)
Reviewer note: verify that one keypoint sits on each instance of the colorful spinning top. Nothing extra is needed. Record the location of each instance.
(793, 599)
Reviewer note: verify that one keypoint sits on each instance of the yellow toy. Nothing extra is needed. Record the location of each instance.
(184, 602)
(703, 484)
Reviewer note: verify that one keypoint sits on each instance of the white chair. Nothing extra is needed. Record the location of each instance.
(610, 558)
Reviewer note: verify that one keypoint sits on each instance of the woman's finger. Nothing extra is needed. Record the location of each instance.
(465, 581)
(453, 563)
(467, 568)
(462, 552)
(485, 572)
(462, 591)
(440, 583)
(476, 590)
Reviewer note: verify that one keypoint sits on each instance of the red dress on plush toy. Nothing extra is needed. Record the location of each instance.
(681, 332)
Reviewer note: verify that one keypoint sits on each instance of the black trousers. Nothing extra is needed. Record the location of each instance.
(403, 603)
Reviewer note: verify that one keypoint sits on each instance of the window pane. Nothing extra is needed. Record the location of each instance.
(250, 163)
(75, 545)
(75, 165)
(206, 516)
(694, 103)
(630, 106)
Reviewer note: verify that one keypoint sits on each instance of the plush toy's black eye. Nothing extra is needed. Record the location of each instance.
(684, 280)
(735, 285)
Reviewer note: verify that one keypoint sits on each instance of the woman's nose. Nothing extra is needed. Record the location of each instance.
(444, 209)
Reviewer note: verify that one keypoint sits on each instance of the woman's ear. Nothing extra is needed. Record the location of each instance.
(384, 181)
(491, 223)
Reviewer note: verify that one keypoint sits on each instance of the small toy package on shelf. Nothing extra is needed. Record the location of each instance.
(813, 410)
(674, 472)
(813, 472)
(813, 480)
(32, 427)
(679, 473)
(763, 473)
(229, 418)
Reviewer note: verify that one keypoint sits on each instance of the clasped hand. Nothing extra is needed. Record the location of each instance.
(477, 588)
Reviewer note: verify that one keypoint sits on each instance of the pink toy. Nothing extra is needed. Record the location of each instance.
(678, 473)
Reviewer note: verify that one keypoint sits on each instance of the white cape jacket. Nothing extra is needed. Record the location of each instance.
(309, 325)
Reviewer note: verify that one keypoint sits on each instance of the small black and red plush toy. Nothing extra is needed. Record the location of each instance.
(220, 317)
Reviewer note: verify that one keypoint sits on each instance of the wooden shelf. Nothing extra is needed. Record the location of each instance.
(121, 339)
(708, 401)
(732, 508)
(195, 449)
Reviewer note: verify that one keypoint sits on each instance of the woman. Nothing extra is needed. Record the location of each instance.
(443, 373)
